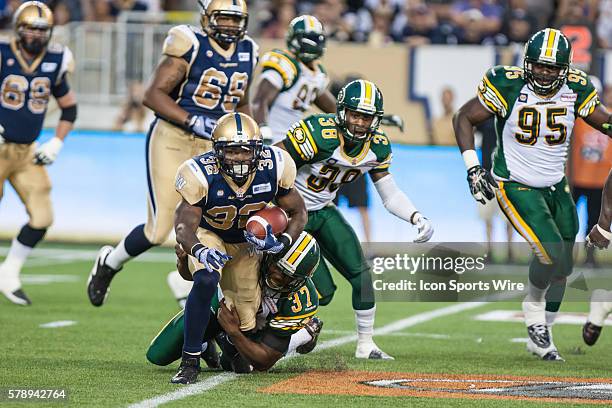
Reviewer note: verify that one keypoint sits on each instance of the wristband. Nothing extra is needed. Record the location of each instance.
(470, 158)
(196, 249)
(188, 122)
(414, 214)
(606, 234)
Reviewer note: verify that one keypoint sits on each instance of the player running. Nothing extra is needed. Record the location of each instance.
(535, 108)
(332, 149)
(220, 190)
(204, 73)
(31, 70)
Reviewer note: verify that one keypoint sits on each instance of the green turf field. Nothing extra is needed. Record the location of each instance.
(101, 362)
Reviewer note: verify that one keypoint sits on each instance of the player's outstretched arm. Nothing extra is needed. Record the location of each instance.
(265, 94)
(261, 356)
(601, 120)
(168, 74)
(481, 182)
(600, 235)
(398, 204)
(48, 151)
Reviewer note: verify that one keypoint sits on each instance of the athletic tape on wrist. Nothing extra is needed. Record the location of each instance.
(606, 234)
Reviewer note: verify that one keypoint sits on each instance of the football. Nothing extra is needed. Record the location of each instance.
(258, 222)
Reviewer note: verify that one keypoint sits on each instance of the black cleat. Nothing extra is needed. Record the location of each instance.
(313, 327)
(188, 371)
(590, 333)
(211, 355)
(100, 278)
(539, 334)
(18, 297)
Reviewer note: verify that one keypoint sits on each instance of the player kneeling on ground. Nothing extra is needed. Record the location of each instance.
(285, 320)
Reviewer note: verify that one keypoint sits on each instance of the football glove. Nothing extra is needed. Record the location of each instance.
(393, 120)
(482, 184)
(424, 228)
(313, 327)
(269, 244)
(47, 152)
(211, 258)
(197, 125)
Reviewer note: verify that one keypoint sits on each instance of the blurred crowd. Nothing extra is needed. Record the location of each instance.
(415, 22)
(498, 22)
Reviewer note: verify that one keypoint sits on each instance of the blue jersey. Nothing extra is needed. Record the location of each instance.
(216, 79)
(25, 89)
(226, 206)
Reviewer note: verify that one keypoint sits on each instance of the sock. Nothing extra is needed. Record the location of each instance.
(197, 309)
(365, 324)
(180, 287)
(554, 295)
(134, 244)
(297, 339)
(30, 237)
(11, 267)
(534, 305)
(550, 318)
(601, 306)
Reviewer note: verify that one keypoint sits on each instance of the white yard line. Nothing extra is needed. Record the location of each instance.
(57, 255)
(219, 379)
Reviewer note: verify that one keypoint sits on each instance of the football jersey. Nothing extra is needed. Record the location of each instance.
(225, 205)
(316, 146)
(25, 88)
(299, 86)
(533, 132)
(216, 79)
(287, 315)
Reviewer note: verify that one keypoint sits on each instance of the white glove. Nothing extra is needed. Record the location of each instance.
(47, 152)
(266, 132)
(424, 227)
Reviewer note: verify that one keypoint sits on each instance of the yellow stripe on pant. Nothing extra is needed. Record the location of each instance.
(520, 225)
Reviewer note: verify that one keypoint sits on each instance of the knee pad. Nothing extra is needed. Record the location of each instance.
(206, 282)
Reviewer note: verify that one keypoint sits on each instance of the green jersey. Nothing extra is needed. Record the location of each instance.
(533, 132)
(323, 163)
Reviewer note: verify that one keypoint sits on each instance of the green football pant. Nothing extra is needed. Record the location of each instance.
(547, 219)
(340, 246)
(167, 346)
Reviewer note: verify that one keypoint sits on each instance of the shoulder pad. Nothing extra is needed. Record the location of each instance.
(67, 62)
(55, 48)
(381, 146)
(587, 97)
(284, 65)
(300, 136)
(180, 40)
(190, 182)
(492, 86)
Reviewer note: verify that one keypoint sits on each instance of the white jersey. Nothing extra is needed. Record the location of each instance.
(533, 132)
(299, 86)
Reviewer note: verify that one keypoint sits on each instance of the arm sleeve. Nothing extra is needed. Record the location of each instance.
(273, 77)
(394, 199)
(191, 182)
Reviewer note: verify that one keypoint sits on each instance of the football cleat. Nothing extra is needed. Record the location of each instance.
(371, 351)
(539, 335)
(313, 327)
(210, 355)
(100, 278)
(590, 333)
(549, 353)
(17, 297)
(188, 371)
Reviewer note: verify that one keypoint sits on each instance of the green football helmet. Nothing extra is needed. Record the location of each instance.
(306, 38)
(547, 47)
(359, 96)
(288, 272)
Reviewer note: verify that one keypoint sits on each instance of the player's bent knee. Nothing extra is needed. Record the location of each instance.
(41, 220)
(205, 282)
(326, 300)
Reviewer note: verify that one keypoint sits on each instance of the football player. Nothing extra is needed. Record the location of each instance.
(31, 70)
(285, 320)
(601, 300)
(333, 149)
(220, 190)
(293, 79)
(535, 108)
(203, 74)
